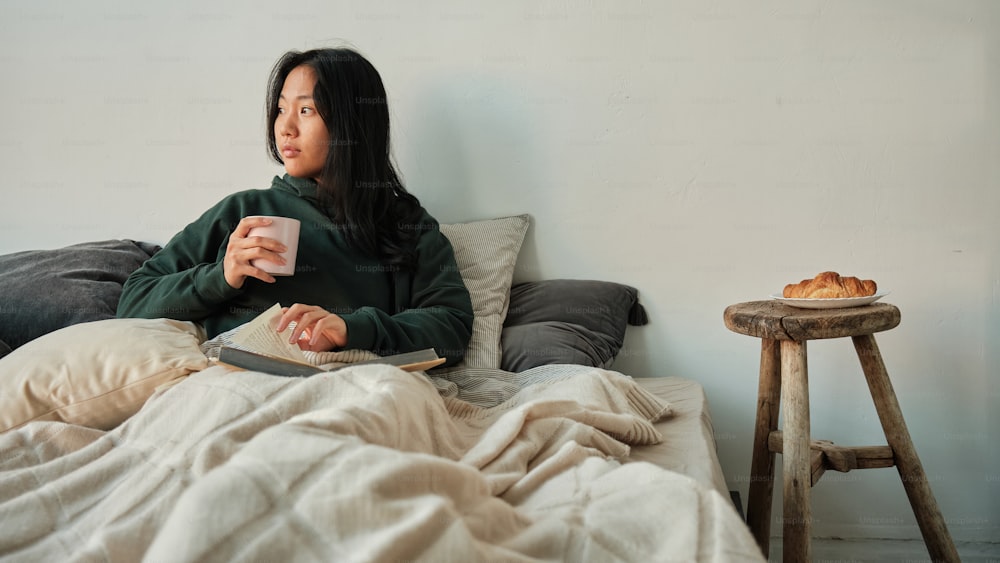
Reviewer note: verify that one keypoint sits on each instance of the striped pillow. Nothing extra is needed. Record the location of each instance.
(486, 252)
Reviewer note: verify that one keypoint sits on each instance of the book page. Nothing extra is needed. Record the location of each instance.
(259, 335)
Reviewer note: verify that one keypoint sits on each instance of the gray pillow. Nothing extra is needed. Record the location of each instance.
(44, 290)
(554, 342)
(4, 349)
(568, 321)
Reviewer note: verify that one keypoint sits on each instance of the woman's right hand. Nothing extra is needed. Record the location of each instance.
(242, 249)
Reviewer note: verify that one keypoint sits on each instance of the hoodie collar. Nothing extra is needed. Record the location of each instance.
(303, 187)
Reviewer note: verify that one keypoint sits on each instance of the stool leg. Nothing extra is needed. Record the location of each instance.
(761, 493)
(929, 518)
(795, 454)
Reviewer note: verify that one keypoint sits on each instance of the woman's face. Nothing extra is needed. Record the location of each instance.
(299, 131)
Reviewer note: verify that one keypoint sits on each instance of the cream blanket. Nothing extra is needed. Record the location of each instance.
(365, 464)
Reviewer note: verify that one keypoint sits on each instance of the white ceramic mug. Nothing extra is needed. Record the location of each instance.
(286, 231)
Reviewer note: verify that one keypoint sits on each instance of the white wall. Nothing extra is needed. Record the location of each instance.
(704, 152)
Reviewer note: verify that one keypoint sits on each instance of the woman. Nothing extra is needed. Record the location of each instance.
(373, 271)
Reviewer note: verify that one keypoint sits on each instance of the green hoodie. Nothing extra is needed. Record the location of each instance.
(386, 310)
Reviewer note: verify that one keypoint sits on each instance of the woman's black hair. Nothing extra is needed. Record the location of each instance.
(359, 187)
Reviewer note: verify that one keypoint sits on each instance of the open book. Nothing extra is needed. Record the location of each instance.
(259, 347)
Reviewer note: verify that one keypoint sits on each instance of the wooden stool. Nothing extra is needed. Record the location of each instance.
(783, 331)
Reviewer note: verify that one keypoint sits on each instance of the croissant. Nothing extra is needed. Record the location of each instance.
(830, 285)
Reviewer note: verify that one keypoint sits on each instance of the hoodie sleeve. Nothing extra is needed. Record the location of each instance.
(434, 309)
(184, 280)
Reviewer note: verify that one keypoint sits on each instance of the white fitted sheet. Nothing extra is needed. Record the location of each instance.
(688, 445)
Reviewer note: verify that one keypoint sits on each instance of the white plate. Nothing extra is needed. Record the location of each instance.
(829, 303)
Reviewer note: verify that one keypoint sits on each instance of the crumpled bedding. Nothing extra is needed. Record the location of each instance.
(365, 464)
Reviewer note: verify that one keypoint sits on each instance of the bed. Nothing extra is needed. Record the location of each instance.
(121, 439)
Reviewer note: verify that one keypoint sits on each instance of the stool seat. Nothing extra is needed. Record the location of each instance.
(775, 320)
(784, 386)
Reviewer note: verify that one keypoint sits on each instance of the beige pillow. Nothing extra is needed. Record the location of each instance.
(486, 253)
(96, 374)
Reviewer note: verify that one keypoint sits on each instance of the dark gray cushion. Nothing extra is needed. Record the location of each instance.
(568, 321)
(4, 349)
(45, 290)
(554, 342)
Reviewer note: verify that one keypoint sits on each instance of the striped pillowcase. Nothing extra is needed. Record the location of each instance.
(486, 253)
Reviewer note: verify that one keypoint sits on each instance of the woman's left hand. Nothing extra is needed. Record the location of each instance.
(316, 329)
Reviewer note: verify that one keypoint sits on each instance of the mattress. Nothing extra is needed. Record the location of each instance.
(688, 445)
